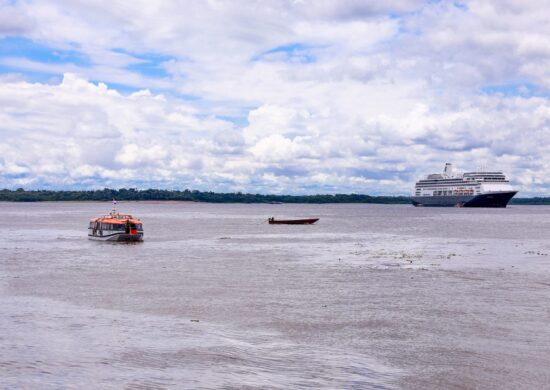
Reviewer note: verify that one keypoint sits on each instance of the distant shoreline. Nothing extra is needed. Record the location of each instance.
(189, 197)
(154, 195)
(106, 201)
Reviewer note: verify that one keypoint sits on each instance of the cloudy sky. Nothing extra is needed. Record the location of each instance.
(273, 96)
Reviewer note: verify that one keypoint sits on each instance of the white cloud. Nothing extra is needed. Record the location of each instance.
(14, 21)
(289, 96)
(96, 136)
(78, 128)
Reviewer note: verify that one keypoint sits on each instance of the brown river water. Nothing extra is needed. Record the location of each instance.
(370, 297)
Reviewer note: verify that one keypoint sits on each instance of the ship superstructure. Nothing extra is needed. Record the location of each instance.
(471, 189)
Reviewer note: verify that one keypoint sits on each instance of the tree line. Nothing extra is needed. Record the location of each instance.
(107, 194)
(531, 201)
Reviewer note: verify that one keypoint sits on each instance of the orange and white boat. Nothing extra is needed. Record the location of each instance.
(115, 227)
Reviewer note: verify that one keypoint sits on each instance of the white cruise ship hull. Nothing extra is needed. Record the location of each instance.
(492, 199)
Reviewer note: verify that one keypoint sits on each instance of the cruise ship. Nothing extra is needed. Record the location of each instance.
(470, 189)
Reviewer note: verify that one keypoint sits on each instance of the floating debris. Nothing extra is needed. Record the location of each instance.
(535, 253)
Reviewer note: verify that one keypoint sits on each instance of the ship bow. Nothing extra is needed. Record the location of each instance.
(494, 199)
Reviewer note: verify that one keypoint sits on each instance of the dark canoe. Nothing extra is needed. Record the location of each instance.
(308, 221)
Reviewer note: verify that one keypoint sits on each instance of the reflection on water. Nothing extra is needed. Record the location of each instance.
(369, 297)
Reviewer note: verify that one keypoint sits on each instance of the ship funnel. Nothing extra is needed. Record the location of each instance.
(448, 169)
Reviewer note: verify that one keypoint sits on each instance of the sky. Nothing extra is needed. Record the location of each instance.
(273, 96)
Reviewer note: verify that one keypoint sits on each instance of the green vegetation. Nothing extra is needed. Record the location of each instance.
(531, 201)
(20, 195)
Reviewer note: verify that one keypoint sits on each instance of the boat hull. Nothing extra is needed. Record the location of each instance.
(492, 200)
(293, 221)
(118, 237)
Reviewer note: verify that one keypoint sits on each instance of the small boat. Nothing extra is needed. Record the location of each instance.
(115, 227)
(308, 221)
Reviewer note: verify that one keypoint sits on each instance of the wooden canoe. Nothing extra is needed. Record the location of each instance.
(307, 221)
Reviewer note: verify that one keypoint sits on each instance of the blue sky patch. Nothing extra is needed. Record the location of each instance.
(294, 52)
(151, 64)
(123, 89)
(32, 76)
(514, 89)
(26, 48)
(240, 121)
(460, 5)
